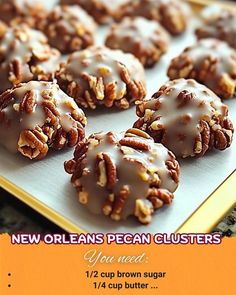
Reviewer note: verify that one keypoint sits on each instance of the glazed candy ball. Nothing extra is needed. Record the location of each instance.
(144, 38)
(186, 117)
(172, 14)
(123, 175)
(210, 62)
(69, 28)
(25, 55)
(219, 24)
(37, 116)
(101, 76)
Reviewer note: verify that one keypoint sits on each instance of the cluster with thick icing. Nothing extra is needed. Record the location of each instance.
(101, 76)
(186, 117)
(25, 55)
(172, 14)
(144, 38)
(36, 116)
(122, 175)
(102, 11)
(220, 24)
(69, 28)
(30, 12)
(210, 62)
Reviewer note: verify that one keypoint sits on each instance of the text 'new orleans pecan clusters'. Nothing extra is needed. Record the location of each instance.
(101, 76)
(144, 38)
(187, 117)
(220, 24)
(210, 62)
(69, 28)
(172, 14)
(119, 176)
(25, 55)
(36, 116)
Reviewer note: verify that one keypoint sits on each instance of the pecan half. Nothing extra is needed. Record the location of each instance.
(106, 171)
(32, 144)
(159, 197)
(28, 102)
(136, 143)
(143, 211)
(119, 203)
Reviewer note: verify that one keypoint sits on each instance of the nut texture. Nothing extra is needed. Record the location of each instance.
(69, 28)
(219, 24)
(31, 12)
(101, 10)
(172, 14)
(210, 62)
(187, 117)
(144, 38)
(24, 56)
(100, 76)
(36, 116)
(116, 176)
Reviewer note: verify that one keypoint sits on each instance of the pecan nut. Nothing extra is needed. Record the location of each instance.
(106, 171)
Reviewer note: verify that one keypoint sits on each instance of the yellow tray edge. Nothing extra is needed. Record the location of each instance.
(38, 206)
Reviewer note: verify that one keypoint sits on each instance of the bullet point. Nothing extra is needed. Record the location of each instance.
(9, 274)
(9, 286)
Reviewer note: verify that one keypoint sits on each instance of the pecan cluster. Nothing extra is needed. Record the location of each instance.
(144, 38)
(36, 116)
(210, 62)
(25, 55)
(186, 117)
(101, 76)
(122, 175)
(102, 11)
(172, 14)
(15, 12)
(69, 28)
(219, 25)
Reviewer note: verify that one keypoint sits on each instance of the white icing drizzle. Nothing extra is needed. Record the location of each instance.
(181, 135)
(215, 49)
(23, 44)
(139, 29)
(15, 122)
(73, 17)
(128, 174)
(105, 63)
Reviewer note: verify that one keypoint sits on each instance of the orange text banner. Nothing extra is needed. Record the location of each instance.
(116, 269)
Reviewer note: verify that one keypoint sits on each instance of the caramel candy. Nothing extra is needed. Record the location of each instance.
(101, 76)
(220, 24)
(102, 11)
(36, 116)
(122, 175)
(187, 117)
(25, 55)
(210, 62)
(144, 38)
(172, 14)
(69, 28)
